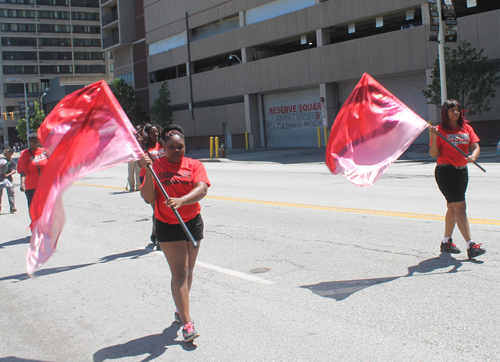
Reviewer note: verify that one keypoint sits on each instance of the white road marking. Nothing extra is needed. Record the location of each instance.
(234, 273)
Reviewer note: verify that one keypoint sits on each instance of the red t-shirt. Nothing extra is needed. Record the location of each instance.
(156, 153)
(178, 179)
(27, 165)
(463, 138)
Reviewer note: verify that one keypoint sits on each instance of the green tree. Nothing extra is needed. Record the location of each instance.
(35, 122)
(470, 79)
(125, 95)
(161, 112)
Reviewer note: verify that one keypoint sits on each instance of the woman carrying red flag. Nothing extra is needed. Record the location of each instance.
(186, 182)
(30, 166)
(452, 175)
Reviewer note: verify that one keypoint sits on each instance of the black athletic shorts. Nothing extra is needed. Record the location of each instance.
(173, 232)
(452, 182)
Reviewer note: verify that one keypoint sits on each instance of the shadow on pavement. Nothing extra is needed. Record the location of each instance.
(340, 290)
(134, 254)
(20, 277)
(24, 240)
(154, 346)
(17, 359)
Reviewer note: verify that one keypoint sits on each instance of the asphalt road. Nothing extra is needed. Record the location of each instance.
(296, 265)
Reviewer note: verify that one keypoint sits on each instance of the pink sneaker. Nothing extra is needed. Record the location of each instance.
(189, 333)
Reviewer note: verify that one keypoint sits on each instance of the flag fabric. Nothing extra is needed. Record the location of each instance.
(86, 132)
(373, 128)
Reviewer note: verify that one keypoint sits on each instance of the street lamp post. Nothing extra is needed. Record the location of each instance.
(25, 106)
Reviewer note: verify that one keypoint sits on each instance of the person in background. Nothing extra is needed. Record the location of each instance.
(154, 146)
(451, 173)
(30, 166)
(10, 169)
(134, 169)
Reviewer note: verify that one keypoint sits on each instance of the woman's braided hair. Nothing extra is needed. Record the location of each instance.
(170, 131)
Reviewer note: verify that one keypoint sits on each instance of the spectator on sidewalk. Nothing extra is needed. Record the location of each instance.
(6, 173)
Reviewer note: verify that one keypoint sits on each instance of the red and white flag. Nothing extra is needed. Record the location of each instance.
(86, 132)
(373, 128)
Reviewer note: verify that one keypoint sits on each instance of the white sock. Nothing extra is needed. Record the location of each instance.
(446, 239)
(468, 243)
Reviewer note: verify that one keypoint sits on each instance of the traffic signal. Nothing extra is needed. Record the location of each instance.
(11, 115)
(5, 116)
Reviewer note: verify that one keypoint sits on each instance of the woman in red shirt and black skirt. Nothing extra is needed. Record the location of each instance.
(185, 181)
(452, 175)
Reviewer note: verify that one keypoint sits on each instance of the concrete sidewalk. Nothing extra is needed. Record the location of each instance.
(415, 153)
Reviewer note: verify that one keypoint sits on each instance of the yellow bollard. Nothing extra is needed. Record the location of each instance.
(326, 136)
(319, 138)
(211, 147)
(216, 147)
(246, 140)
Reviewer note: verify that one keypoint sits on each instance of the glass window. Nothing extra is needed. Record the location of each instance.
(19, 55)
(19, 69)
(55, 69)
(81, 42)
(10, 13)
(86, 29)
(85, 3)
(89, 56)
(17, 27)
(84, 16)
(18, 88)
(53, 14)
(90, 69)
(17, 2)
(51, 28)
(18, 41)
(55, 55)
(63, 42)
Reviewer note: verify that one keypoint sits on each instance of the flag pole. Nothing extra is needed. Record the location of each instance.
(181, 222)
(459, 150)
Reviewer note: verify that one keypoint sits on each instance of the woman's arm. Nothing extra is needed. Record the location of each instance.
(434, 150)
(23, 179)
(148, 192)
(198, 192)
(476, 150)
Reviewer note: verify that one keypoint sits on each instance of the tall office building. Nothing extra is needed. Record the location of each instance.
(44, 39)
(271, 72)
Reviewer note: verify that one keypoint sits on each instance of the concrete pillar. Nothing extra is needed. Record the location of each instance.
(330, 107)
(322, 37)
(252, 119)
(247, 54)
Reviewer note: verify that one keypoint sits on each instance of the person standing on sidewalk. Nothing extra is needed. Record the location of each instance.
(451, 173)
(10, 169)
(134, 170)
(30, 166)
(186, 182)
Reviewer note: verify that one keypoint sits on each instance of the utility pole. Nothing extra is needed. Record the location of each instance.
(442, 61)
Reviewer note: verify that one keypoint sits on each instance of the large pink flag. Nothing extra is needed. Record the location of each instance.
(372, 129)
(86, 132)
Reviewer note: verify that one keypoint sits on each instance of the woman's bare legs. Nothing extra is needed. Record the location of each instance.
(457, 213)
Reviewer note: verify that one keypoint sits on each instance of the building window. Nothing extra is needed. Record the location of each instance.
(86, 29)
(53, 2)
(18, 42)
(53, 14)
(128, 78)
(90, 69)
(19, 69)
(85, 3)
(219, 27)
(80, 42)
(51, 28)
(84, 16)
(58, 42)
(19, 55)
(168, 73)
(55, 55)
(18, 27)
(89, 55)
(28, 2)
(56, 69)
(7, 13)
(18, 88)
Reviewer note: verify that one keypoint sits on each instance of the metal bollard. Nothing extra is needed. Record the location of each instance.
(246, 140)
(319, 138)
(326, 136)
(216, 147)
(211, 147)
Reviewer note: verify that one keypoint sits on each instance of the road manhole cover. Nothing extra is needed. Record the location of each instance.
(259, 270)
